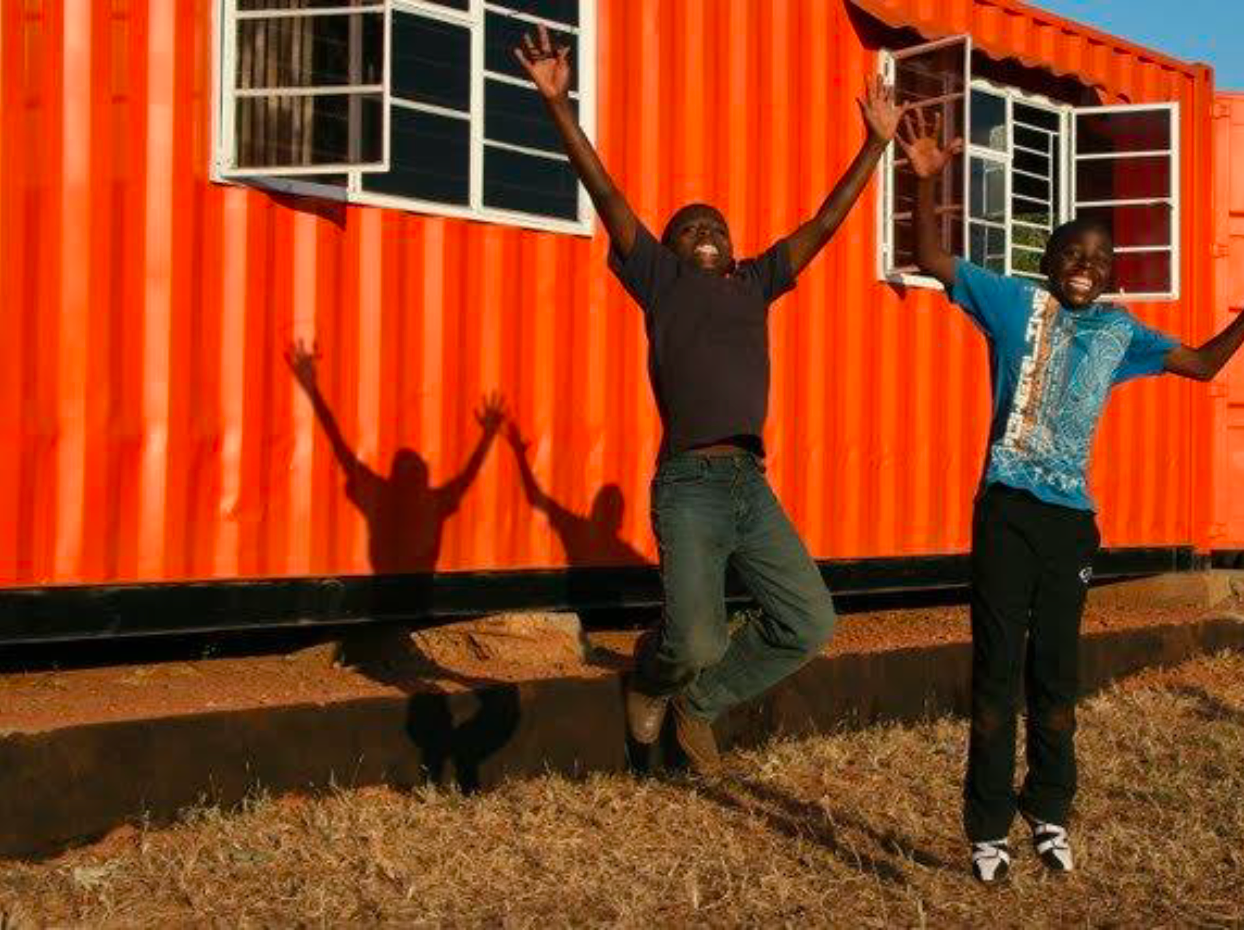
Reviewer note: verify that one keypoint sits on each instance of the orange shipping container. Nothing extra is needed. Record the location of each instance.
(154, 434)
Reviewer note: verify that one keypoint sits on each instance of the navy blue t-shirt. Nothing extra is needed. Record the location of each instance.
(708, 340)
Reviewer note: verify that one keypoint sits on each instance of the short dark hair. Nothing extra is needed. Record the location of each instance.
(695, 207)
(1063, 234)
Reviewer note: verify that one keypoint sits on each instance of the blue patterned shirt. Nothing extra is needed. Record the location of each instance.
(1052, 370)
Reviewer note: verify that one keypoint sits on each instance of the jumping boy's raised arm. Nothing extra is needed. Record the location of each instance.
(1203, 363)
(881, 114)
(550, 70)
(927, 160)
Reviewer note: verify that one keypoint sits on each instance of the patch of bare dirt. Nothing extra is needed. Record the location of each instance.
(457, 657)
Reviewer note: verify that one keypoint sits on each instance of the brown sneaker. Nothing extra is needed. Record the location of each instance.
(696, 740)
(644, 715)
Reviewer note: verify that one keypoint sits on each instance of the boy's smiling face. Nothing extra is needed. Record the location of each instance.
(1079, 268)
(698, 234)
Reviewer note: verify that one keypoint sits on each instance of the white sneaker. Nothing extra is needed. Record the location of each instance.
(1051, 843)
(991, 859)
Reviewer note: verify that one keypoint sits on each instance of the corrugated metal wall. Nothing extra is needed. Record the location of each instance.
(152, 431)
(1228, 529)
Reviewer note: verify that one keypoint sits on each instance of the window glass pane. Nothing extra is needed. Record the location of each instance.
(950, 215)
(1135, 224)
(1134, 177)
(503, 34)
(1136, 273)
(1034, 189)
(1028, 138)
(929, 74)
(1030, 162)
(563, 11)
(431, 61)
(310, 51)
(987, 247)
(925, 75)
(1032, 238)
(1035, 116)
(1026, 262)
(310, 130)
(988, 191)
(430, 158)
(989, 120)
(518, 116)
(515, 181)
(1033, 212)
(453, 4)
(1123, 131)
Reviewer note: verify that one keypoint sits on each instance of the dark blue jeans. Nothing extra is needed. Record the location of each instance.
(709, 512)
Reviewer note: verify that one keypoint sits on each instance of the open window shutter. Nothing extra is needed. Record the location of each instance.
(306, 87)
(936, 77)
(1126, 174)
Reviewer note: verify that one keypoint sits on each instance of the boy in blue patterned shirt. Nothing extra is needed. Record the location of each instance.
(1055, 354)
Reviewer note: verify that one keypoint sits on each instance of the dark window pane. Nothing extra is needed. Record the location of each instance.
(950, 215)
(922, 76)
(1136, 273)
(1032, 139)
(1031, 237)
(1135, 224)
(431, 61)
(503, 34)
(515, 181)
(1034, 212)
(306, 131)
(1035, 116)
(1029, 162)
(518, 115)
(310, 51)
(563, 11)
(453, 4)
(989, 120)
(930, 74)
(1125, 178)
(1026, 262)
(430, 158)
(988, 192)
(1123, 131)
(987, 247)
(1025, 186)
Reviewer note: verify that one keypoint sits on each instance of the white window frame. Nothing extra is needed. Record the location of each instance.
(1067, 165)
(228, 95)
(1175, 155)
(353, 192)
(886, 64)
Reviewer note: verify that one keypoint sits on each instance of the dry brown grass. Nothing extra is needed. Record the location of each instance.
(849, 830)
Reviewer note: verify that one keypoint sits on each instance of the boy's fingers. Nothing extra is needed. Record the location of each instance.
(937, 125)
(546, 44)
(955, 147)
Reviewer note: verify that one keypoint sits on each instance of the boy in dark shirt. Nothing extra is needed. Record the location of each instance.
(706, 317)
(1055, 352)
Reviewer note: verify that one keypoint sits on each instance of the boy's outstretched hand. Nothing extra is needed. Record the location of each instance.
(920, 143)
(549, 68)
(881, 112)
